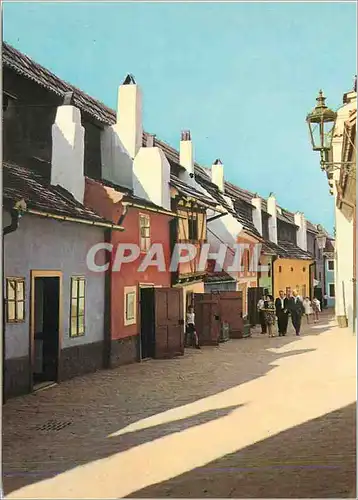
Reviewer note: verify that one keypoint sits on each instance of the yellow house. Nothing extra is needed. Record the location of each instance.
(291, 273)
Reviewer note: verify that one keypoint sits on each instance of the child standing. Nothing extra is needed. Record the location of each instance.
(190, 327)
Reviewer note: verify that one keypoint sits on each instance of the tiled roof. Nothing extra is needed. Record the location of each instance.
(289, 250)
(311, 227)
(204, 180)
(213, 276)
(22, 183)
(190, 191)
(129, 196)
(25, 66)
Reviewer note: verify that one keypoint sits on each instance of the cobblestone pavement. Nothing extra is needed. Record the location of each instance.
(254, 418)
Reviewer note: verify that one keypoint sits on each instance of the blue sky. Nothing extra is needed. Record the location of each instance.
(240, 76)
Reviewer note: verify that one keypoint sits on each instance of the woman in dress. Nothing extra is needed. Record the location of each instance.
(270, 314)
(316, 306)
(308, 308)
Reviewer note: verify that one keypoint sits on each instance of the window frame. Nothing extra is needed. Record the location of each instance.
(77, 298)
(144, 238)
(130, 290)
(193, 227)
(15, 300)
(329, 290)
(328, 262)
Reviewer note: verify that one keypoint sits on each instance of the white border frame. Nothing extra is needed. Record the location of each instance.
(127, 291)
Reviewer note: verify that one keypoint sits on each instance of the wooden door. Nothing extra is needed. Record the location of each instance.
(231, 312)
(169, 324)
(253, 296)
(207, 318)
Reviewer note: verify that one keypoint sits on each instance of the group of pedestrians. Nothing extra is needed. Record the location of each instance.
(284, 307)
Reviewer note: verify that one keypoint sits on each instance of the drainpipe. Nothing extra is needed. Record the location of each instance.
(15, 213)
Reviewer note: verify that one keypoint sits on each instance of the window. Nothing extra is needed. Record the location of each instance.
(331, 265)
(280, 269)
(77, 326)
(15, 300)
(331, 289)
(130, 295)
(304, 269)
(193, 227)
(144, 228)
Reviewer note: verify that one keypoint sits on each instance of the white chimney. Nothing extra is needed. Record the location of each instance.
(68, 142)
(272, 223)
(217, 174)
(186, 156)
(117, 164)
(151, 175)
(256, 214)
(301, 235)
(129, 115)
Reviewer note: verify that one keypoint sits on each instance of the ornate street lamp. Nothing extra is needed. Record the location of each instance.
(321, 238)
(321, 123)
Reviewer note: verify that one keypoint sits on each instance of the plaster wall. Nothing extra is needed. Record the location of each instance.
(45, 244)
(151, 176)
(291, 273)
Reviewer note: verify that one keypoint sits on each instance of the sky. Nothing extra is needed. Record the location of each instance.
(240, 76)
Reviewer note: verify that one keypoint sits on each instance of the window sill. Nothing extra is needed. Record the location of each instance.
(75, 336)
(130, 322)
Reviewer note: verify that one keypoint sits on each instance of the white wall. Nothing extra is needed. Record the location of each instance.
(272, 223)
(344, 228)
(151, 176)
(129, 117)
(117, 164)
(67, 163)
(301, 234)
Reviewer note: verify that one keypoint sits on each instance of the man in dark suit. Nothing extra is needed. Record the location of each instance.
(296, 310)
(281, 313)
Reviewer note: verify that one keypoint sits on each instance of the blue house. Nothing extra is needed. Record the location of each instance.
(329, 272)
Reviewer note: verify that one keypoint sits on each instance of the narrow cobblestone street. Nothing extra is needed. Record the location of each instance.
(256, 417)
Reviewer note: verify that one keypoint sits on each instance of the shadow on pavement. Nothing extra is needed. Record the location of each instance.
(314, 460)
(103, 403)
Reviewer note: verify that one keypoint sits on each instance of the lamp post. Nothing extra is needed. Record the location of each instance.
(321, 122)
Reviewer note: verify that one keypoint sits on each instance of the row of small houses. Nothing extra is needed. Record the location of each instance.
(79, 176)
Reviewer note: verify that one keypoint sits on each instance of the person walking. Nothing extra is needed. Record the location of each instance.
(190, 328)
(308, 309)
(316, 306)
(296, 310)
(260, 308)
(281, 313)
(269, 313)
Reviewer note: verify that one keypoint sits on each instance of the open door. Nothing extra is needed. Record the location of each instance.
(253, 296)
(207, 318)
(231, 312)
(45, 326)
(169, 323)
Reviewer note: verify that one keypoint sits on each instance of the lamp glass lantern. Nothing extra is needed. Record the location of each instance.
(321, 238)
(321, 123)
